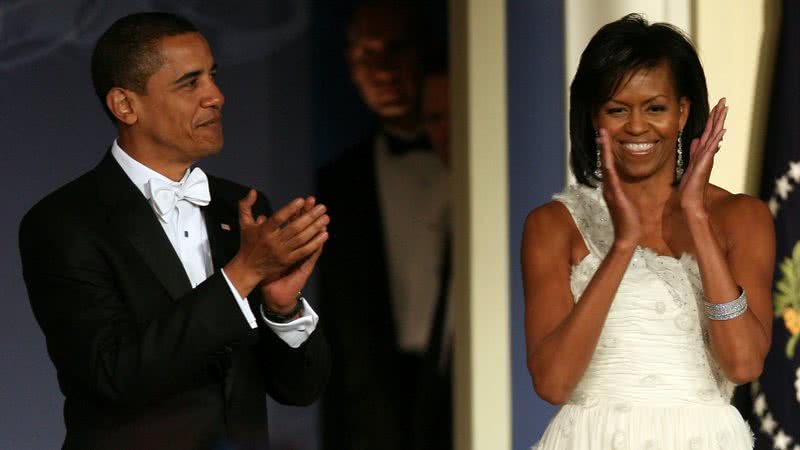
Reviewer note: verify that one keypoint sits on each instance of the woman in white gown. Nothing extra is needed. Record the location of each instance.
(647, 289)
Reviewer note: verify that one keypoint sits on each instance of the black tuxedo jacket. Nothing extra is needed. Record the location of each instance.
(377, 397)
(143, 360)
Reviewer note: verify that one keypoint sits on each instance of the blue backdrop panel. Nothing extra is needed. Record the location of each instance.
(535, 42)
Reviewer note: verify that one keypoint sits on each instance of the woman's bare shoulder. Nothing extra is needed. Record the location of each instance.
(552, 216)
(737, 211)
(551, 231)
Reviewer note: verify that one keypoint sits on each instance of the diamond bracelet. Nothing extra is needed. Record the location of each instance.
(729, 310)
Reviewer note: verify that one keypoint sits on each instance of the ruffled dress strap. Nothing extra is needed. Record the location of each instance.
(588, 209)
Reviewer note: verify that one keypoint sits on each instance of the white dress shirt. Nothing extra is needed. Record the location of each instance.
(185, 228)
(414, 197)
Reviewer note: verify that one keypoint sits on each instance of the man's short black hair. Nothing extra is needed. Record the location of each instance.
(408, 12)
(127, 54)
(619, 49)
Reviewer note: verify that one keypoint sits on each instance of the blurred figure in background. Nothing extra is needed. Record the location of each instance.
(384, 276)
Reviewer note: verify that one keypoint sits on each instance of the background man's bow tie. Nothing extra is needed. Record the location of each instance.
(400, 146)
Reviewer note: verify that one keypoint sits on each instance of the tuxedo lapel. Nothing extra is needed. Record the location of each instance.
(134, 219)
(367, 216)
(222, 226)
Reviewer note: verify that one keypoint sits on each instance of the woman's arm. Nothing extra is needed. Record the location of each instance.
(561, 335)
(739, 344)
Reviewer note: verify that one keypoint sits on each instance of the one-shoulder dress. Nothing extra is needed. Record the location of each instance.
(652, 382)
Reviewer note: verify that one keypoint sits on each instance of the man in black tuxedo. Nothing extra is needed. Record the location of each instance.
(168, 298)
(385, 272)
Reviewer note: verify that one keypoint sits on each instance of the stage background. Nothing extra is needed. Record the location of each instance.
(289, 108)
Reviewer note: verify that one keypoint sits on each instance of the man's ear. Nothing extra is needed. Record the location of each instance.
(120, 103)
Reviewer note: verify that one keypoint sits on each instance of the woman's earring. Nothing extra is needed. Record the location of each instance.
(598, 172)
(679, 158)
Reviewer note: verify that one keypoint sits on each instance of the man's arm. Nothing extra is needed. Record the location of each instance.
(81, 291)
(294, 376)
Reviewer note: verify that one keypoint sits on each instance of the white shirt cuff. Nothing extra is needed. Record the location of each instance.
(242, 302)
(297, 331)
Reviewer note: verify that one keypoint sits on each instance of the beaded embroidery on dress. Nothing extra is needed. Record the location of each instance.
(652, 382)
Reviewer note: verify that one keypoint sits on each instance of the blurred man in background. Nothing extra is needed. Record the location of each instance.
(384, 277)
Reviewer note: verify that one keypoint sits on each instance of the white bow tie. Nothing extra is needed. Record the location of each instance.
(164, 195)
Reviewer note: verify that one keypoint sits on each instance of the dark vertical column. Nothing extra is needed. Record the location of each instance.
(536, 143)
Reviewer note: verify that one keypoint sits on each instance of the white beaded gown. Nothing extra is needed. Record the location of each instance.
(652, 382)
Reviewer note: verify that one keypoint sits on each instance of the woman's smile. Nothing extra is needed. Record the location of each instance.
(638, 148)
